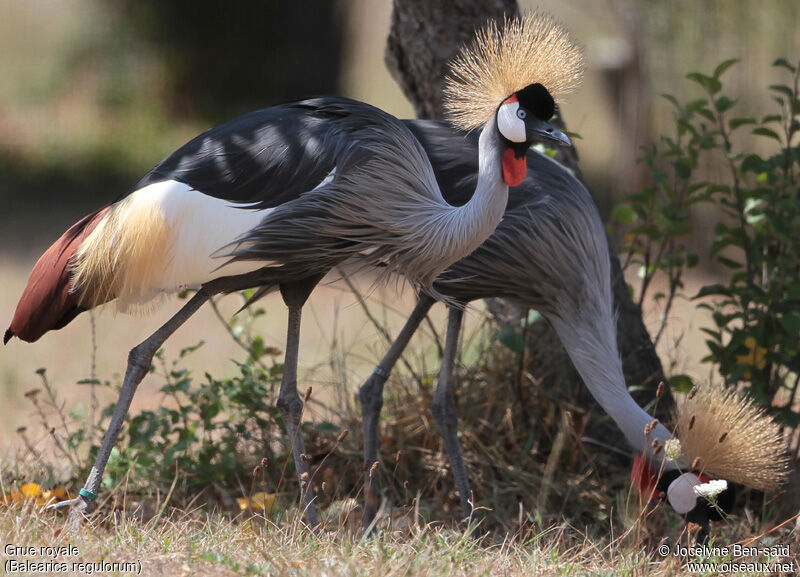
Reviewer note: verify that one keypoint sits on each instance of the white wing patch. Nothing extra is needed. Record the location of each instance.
(160, 239)
(200, 226)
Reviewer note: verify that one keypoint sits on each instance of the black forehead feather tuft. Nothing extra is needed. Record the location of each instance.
(537, 100)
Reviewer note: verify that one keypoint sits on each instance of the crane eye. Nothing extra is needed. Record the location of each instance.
(521, 114)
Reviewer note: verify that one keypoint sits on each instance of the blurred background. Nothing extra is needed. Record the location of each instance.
(94, 93)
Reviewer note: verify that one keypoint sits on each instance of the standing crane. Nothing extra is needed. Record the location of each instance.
(245, 205)
(549, 253)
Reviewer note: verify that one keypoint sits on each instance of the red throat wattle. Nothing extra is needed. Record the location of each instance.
(514, 168)
(643, 479)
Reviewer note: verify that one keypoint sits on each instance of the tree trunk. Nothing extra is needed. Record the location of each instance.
(425, 35)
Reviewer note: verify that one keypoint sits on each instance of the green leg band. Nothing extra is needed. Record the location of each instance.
(87, 494)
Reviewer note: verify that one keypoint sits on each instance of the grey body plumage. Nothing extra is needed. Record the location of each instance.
(380, 202)
(549, 251)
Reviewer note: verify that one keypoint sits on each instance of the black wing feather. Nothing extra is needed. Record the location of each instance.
(267, 156)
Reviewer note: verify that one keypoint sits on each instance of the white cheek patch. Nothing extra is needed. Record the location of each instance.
(509, 124)
(681, 495)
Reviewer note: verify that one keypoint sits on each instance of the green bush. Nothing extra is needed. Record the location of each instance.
(211, 431)
(755, 339)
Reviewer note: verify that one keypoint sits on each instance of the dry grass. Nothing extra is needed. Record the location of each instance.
(196, 542)
(199, 544)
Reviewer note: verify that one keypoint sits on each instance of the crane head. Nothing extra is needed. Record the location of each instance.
(522, 119)
(532, 58)
(723, 435)
(691, 494)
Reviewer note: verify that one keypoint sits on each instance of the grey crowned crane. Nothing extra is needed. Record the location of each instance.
(550, 253)
(275, 198)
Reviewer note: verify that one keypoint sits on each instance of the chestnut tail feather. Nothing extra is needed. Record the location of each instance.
(47, 303)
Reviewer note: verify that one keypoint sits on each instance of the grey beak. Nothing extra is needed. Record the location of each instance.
(547, 133)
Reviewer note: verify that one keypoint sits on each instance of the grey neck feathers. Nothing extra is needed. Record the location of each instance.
(589, 336)
(444, 234)
(491, 192)
(478, 218)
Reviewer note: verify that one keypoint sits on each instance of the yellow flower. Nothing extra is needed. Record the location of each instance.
(51, 496)
(754, 358)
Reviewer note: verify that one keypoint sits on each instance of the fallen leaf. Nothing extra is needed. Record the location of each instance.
(260, 501)
(31, 490)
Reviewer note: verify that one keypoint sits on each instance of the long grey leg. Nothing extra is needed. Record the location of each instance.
(371, 396)
(289, 402)
(444, 411)
(139, 360)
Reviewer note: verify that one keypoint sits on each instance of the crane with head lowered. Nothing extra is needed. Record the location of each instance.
(548, 253)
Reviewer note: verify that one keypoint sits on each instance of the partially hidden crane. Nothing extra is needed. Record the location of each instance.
(548, 253)
(246, 205)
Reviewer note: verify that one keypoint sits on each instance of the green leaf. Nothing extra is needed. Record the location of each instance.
(711, 84)
(188, 350)
(672, 99)
(753, 163)
(326, 428)
(793, 292)
(683, 168)
(769, 133)
(511, 339)
(712, 290)
(257, 348)
(782, 89)
(791, 323)
(723, 66)
(534, 316)
(623, 213)
(789, 417)
(751, 204)
(729, 262)
(782, 62)
(706, 113)
(724, 103)
(737, 122)
(681, 383)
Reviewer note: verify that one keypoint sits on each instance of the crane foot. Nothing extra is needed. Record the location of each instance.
(79, 508)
